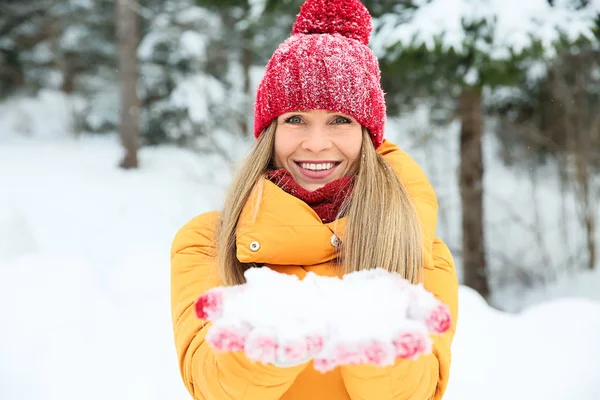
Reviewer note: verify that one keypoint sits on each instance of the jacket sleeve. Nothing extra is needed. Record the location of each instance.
(207, 373)
(424, 378)
(420, 190)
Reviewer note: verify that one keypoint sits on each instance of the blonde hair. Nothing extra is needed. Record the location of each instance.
(382, 228)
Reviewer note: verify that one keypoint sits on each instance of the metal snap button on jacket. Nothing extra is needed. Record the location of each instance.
(335, 241)
(254, 246)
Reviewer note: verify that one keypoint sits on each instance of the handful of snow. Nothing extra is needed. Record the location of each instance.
(366, 317)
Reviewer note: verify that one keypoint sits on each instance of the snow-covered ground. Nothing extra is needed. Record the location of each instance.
(84, 275)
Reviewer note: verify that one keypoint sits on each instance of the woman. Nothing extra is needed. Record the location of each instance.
(321, 191)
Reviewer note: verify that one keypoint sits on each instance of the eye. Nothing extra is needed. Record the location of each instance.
(294, 120)
(342, 120)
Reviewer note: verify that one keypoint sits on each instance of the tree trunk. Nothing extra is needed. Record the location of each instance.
(69, 73)
(471, 191)
(127, 42)
(246, 66)
(588, 210)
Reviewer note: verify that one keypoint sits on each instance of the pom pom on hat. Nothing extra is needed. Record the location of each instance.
(349, 18)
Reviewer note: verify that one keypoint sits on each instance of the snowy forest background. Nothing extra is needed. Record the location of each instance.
(121, 120)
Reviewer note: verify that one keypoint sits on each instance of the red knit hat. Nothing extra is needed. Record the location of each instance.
(325, 65)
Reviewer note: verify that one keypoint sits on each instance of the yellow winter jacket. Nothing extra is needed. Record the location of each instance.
(293, 240)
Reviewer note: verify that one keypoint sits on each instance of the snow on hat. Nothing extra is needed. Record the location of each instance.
(325, 65)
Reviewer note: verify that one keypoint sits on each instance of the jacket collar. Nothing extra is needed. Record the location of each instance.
(278, 228)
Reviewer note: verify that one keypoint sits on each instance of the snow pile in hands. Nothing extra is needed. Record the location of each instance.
(366, 317)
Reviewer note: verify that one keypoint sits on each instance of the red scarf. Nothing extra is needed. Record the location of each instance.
(326, 201)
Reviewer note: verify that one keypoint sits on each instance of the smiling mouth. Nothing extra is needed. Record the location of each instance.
(317, 167)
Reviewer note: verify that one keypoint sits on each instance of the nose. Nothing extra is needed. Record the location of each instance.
(316, 140)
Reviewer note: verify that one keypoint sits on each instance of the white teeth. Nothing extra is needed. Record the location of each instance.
(317, 167)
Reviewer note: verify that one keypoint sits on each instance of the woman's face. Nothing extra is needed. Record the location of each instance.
(317, 147)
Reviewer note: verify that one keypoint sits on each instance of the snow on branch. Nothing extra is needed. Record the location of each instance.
(517, 25)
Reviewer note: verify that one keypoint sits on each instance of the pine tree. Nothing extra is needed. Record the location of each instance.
(67, 46)
(554, 118)
(424, 58)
